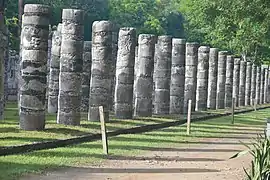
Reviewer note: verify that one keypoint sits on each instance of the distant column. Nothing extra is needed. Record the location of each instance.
(253, 83)
(33, 84)
(248, 83)
(113, 65)
(71, 62)
(263, 72)
(229, 81)
(191, 75)
(212, 78)
(258, 84)
(144, 79)
(202, 78)
(136, 67)
(100, 84)
(53, 89)
(86, 75)
(125, 73)
(266, 85)
(163, 75)
(242, 83)
(221, 78)
(236, 80)
(177, 88)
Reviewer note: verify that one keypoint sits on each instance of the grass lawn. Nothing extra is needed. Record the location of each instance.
(10, 134)
(122, 146)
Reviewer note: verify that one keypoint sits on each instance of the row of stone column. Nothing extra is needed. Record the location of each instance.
(183, 71)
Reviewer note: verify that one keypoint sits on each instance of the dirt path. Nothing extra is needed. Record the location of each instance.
(207, 160)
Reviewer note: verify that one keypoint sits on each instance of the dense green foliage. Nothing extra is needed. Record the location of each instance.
(240, 26)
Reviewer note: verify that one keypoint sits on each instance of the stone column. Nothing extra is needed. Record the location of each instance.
(54, 71)
(248, 84)
(3, 45)
(212, 78)
(229, 81)
(221, 79)
(266, 85)
(191, 75)
(125, 73)
(100, 84)
(113, 64)
(263, 72)
(144, 79)
(236, 80)
(6, 59)
(86, 75)
(136, 67)
(48, 67)
(253, 83)
(163, 75)
(177, 88)
(70, 87)
(33, 84)
(202, 78)
(242, 83)
(258, 84)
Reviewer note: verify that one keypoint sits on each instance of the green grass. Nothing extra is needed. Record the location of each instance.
(127, 146)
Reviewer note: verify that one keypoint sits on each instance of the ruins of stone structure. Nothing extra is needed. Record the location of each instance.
(86, 75)
(71, 62)
(248, 83)
(229, 81)
(221, 79)
(136, 67)
(6, 59)
(258, 85)
(177, 87)
(212, 78)
(202, 78)
(191, 75)
(100, 84)
(253, 84)
(125, 73)
(34, 36)
(163, 75)
(144, 75)
(54, 70)
(236, 80)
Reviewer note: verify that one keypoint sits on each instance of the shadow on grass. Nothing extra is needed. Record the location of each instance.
(27, 139)
(9, 129)
(66, 131)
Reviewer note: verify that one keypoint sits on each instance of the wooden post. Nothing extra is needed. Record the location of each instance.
(189, 116)
(103, 131)
(233, 105)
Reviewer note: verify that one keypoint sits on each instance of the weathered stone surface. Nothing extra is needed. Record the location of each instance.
(86, 75)
(125, 73)
(248, 84)
(221, 79)
(144, 79)
(48, 68)
(136, 67)
(258, 85)
(177, 88)
(100, 83)
(253, 83)
(12, 75)
(236, 80)
(202, 78)
(71, 62)
(212, 78)
(263, 72)
(34, 54)
(229, 81)
(266, 85)
(242, 83)
(191, 75)
(163, 75)
(54, 72)
(6, 59)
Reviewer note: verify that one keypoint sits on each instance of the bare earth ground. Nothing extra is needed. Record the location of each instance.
(207, 160)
